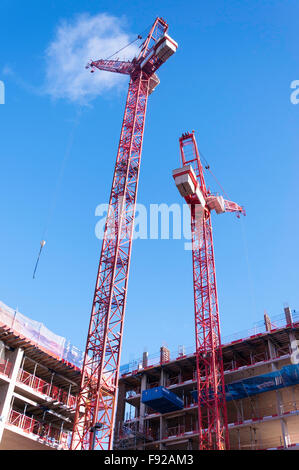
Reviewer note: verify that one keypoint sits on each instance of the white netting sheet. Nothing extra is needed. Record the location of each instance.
(38, 334)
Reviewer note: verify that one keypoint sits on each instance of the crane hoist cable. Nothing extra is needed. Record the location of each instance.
(129, 44)
(208, 168)
(57, 187)
(58, 182)
(139, 36)
(42, 244)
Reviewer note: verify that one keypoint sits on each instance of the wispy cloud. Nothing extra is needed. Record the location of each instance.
(9, 73)
(78, 41)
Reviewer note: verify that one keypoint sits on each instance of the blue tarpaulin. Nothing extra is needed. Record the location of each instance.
(285, 377)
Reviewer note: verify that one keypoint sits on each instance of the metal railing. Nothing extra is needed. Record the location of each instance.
(278, 321)
(255, 412)
(179, 430)
(273, 442)
(5, 367)
(46, 431)
(41, 386)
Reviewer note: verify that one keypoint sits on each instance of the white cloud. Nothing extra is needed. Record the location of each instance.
(75, 44)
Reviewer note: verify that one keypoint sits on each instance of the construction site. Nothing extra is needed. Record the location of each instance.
(39, 380)
(237, 393)
(157, 406)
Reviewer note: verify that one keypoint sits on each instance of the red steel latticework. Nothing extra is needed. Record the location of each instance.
(212, 418)
(96, 401)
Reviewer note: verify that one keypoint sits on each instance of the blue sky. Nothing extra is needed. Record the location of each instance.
(229, 81)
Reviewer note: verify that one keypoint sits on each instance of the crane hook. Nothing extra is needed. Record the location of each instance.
(42, 244)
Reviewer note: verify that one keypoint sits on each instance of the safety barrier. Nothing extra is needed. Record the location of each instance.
(45, 388)
(179, 430)
(5, 367)
(277, 322)
(45, 431)
(274, 442)
(238, 415)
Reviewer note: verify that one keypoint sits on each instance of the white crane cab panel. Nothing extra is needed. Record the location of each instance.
(153, 83)
(166, 48)
(200, 196)
(216, 203)
(186, 182)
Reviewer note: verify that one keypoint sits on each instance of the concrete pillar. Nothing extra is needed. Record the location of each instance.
(163, 378)
(6, 391)
(288, 315)
(145, 359)
(294, 348)
(164, 354)
(120, 410)
(272, 353)
(267, 321)
(162, 432)
(142, 405)
(279, 402)
(162, 383)
(294, 343)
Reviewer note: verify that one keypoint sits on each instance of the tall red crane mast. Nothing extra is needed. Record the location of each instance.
(96, 403)
(190, 181)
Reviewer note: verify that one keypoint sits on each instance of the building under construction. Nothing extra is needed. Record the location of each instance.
(39, 380)
(40, 375)
(157, 402)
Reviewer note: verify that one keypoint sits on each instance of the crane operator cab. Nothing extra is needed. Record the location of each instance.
(164, 49)
(187, 184)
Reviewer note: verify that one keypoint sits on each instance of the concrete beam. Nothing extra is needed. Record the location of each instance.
(6, 392)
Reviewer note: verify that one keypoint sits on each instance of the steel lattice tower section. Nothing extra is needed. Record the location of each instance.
(212, 416)
(96, 403)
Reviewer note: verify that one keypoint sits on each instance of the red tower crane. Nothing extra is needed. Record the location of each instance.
(96, 402)
(190, 181)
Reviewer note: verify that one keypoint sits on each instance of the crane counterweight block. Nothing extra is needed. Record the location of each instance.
(186, 182)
